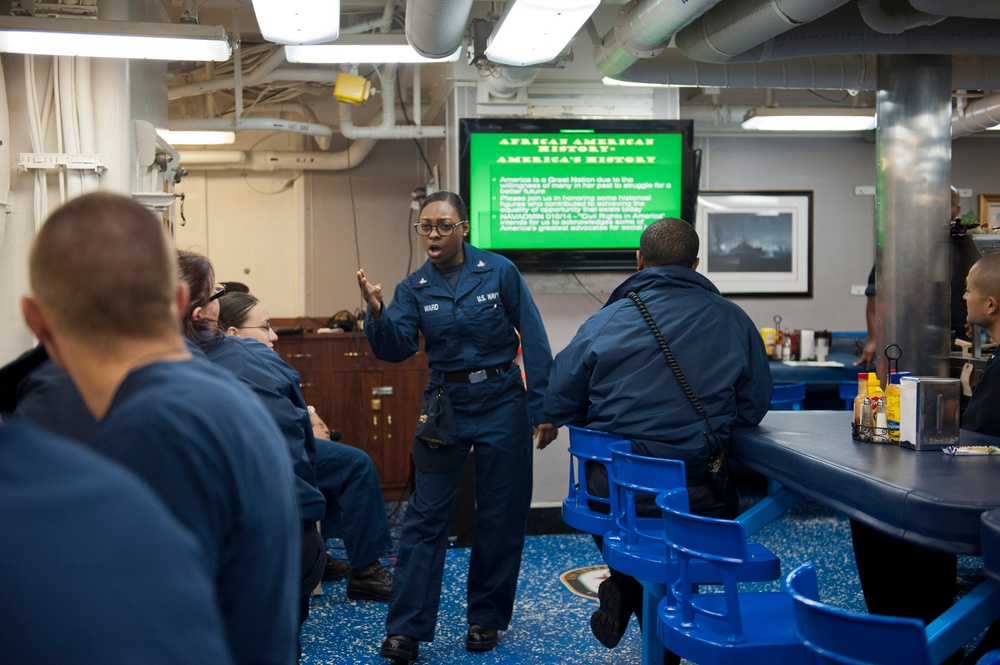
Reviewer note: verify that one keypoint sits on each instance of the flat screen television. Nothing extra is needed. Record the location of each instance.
(573, 194)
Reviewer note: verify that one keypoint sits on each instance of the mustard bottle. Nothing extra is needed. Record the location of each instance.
(877, 396)
(892, 407)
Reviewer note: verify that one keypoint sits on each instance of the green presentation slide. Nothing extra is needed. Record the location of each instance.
(571, 189)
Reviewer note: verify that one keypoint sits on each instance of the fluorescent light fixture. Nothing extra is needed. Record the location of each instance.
(809, 119)
(113, 39)
(607, 80)
(298, 21)
(197, 137)
(530, 32)
(359, 49)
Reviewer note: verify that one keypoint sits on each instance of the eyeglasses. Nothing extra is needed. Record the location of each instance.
(265, 327)
(220, 290)
(445, 229)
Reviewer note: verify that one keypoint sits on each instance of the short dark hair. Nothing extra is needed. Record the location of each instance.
(985, 273)
(103, 265)
(453, 199)
(669, 242)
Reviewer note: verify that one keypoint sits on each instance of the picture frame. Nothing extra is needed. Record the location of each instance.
(757, 243)
(989, 210)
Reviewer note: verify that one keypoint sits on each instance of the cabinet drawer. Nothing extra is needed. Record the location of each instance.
(347, 353)
(303, 354)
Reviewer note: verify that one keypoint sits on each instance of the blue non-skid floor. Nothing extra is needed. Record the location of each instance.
(550, 622)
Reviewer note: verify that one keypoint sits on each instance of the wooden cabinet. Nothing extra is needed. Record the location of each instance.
(374, 404)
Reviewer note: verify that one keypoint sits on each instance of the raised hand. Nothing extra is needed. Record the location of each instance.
(372, 294)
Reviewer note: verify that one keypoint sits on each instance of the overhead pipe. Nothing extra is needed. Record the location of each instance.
(383, 24)
(965, 8)
(642, 30)
(893, 24)
(511, 80)
(387, 129)
(833, 72)
(258, 76)
(830, 72)
(979, 115)
(435, 28)
(268, 70)
(845, 31)
(734, 27)
(245, 124)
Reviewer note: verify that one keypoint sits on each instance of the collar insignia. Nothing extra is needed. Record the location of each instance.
(422, 281)
(481, 264)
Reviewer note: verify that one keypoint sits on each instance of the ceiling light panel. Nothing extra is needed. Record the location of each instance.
(810, 119)
(531, 32)
(362, 49)
(113, 39)
(298, 21)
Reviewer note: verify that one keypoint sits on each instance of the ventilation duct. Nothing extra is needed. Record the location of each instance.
(845, 31)
(734, 27)
(643, 29)
(831, 72)
(893, 24)
(435, 28)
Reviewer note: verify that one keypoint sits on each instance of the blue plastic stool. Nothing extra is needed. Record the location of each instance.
(730, 627)
(587, 445)
(788, 396)
(991, 657)
(833, 636)
(635, 544)
(848, 391)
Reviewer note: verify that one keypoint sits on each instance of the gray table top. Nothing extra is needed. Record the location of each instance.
(926, 497)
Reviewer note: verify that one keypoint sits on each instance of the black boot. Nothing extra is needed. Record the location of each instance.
(371, 582)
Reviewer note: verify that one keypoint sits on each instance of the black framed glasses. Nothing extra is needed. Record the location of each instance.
(265, 327)
(445, 229)
(220, 290)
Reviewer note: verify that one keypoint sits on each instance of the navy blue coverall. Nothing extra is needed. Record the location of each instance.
(473, 327)
(97, 571)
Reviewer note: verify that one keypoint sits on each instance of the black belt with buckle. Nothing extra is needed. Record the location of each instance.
(478, 376)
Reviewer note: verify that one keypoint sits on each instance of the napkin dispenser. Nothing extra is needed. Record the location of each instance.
(928, 412)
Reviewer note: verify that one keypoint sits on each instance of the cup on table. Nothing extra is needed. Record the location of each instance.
(807, 345)
(822, 345)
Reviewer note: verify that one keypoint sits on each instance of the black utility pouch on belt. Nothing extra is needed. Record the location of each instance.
(436, 426)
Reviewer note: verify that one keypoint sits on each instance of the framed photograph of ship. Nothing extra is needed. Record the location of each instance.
(756, 243)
